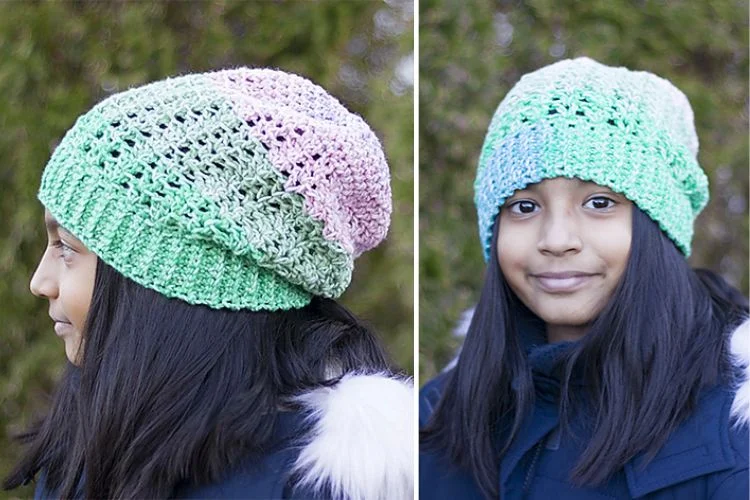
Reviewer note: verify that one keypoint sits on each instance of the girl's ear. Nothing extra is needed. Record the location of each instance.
(740, 351)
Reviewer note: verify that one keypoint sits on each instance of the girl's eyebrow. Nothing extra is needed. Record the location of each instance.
(53, 225)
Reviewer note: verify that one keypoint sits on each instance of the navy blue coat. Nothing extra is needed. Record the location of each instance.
(706, 457)
(353, 440)
(265, 478)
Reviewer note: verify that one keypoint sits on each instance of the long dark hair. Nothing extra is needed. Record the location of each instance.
(169, 392)
(666, 325)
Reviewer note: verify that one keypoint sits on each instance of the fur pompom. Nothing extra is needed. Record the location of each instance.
(362, 439)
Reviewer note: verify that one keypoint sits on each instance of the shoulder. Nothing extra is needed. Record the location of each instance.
(719, 434)
(733, 482)
(432, 391)
(430, 395)
(361, 438)
(725, 408)
(352, 440)
(712, 445)
(439, 477)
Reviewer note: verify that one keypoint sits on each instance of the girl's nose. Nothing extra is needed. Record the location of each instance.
(44, 281)
(560, 234)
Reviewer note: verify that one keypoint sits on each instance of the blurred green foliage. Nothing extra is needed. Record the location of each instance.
(472, 52)
(57, 59)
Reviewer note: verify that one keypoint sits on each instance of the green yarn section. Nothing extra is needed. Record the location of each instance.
(166, 184)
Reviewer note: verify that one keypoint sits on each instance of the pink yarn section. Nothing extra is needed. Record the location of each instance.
(328, 155)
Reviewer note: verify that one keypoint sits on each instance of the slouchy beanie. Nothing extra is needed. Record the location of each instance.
(241, 188)
(631, 131)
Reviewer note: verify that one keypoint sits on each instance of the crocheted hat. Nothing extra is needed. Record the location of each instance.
(631, 131)
(242, 188)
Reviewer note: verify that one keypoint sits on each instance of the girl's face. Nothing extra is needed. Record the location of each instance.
(562, 246)
(65, 277)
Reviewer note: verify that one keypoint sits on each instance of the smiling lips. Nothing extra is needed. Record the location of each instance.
(564, 282)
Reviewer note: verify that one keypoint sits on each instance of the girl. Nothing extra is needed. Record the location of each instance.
(596, 362)
(200, 228)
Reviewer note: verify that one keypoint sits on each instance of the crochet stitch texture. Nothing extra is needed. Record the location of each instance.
(242, 188)
(631, 131)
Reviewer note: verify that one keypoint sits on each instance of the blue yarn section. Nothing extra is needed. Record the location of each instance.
(516, 162)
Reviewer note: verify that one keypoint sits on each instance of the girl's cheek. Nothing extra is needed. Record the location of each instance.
(617, 237)
(515, 243)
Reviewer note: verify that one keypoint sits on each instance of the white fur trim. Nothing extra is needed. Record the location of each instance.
(464, 322)
(362, 440)
(461, 329)
(740, 349)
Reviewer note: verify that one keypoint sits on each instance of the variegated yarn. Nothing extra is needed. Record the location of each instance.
(242, 188)
(631, 131)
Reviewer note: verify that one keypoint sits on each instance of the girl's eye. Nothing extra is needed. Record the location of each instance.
(65, 250)
(522, 207)
(600, 203)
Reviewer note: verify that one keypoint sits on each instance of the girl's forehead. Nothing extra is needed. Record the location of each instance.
(560, 184)
(53, 225)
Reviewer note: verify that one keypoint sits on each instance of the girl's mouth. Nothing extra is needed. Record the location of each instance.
(62, 328)
(563, 284)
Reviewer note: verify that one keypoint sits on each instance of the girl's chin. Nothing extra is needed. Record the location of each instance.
(565, 319)
(71, 353)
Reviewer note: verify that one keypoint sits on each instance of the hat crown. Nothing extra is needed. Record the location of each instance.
(583, 85)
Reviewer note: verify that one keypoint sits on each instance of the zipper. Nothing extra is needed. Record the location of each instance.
(532, 466)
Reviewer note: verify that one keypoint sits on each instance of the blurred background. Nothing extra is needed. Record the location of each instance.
(472, 52)
(57, 59)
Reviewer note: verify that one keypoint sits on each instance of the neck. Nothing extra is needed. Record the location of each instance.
(565, 333)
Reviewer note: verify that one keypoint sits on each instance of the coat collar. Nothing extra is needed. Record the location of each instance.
(739, 353)
(700, 445)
